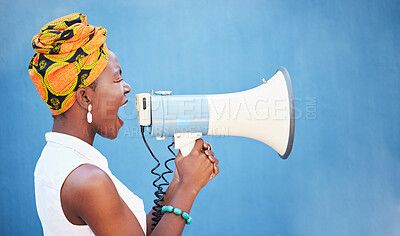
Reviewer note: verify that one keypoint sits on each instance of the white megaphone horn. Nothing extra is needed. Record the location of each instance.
(264, 113)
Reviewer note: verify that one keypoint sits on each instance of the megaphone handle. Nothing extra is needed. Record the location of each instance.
(185, 142)
(187, 149)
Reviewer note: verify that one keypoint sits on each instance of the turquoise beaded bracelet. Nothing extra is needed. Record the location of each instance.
(178, 212)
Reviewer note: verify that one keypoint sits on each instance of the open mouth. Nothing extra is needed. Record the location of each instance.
(125, 103)
(119, 119)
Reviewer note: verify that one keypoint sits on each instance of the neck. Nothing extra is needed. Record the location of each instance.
(74, 123)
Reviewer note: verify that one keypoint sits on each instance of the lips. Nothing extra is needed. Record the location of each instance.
(123, 104)
(120, 121)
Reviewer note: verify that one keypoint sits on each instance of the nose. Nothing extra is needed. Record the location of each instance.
(127, 87)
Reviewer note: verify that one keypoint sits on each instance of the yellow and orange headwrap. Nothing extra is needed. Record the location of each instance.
(70, 54)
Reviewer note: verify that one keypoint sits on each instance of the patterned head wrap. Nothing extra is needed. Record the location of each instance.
(70, 54)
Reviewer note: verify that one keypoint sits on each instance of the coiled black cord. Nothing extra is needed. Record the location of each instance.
(159, 193)
(169, 171)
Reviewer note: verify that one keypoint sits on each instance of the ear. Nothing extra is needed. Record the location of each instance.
(84, 97)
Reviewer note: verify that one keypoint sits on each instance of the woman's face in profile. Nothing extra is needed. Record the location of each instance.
(107, 98)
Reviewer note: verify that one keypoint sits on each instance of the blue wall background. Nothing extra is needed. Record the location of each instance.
(342, 177)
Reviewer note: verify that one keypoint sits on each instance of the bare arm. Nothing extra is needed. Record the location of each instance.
(171, 190)
(89, 196)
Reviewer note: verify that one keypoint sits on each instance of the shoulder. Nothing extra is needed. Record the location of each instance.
(88, 181)
(90, 197)
(88, 190)
(87, 176)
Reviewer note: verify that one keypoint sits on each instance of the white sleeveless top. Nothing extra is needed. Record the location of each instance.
(61, 155)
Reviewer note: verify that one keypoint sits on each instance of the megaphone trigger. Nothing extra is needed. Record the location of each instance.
(185, 142)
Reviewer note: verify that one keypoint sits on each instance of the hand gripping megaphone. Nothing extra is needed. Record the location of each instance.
(264, 113)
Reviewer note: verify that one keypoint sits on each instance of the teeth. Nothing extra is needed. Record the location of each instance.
(125, 104)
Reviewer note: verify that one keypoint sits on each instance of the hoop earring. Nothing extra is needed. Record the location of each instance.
(89, 116)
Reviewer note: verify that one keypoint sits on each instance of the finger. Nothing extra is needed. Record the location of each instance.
(207, 146)
(210, 155)
(213, 159)
(216, 169)
(178, 157)
(202, 155)
(198, 145)
(209, 152)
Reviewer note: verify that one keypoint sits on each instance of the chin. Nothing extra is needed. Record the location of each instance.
(110, 133)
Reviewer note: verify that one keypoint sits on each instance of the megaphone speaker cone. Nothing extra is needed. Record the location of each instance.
(264, 113)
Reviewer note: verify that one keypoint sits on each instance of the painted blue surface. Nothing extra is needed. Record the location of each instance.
(342, 177)
(179, 114)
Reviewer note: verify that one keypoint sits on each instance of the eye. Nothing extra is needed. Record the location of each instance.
(118, 80)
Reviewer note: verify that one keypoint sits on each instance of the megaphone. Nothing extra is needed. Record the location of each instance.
(265, 113)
